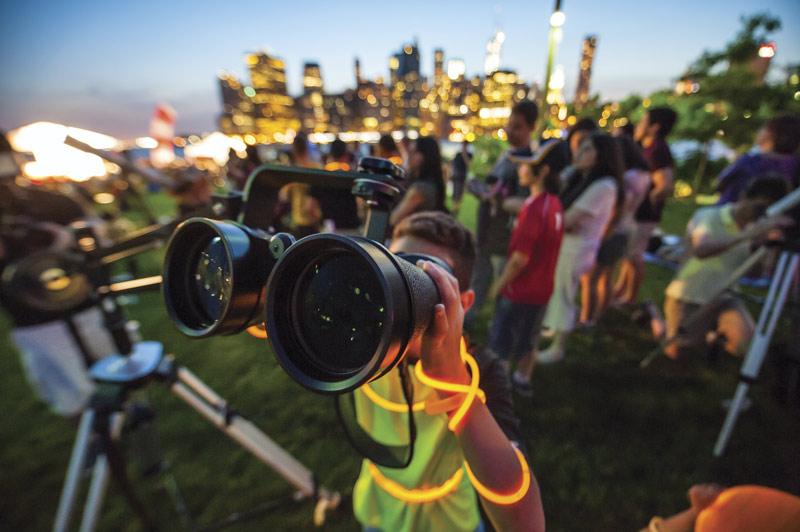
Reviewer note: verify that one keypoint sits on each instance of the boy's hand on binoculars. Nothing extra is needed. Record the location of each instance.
(440, 351)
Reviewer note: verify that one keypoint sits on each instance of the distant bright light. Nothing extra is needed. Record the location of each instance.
(322, 138)
(53, 158)
(455, 69)
(500, 36)
(767, 50)
(494, 112)
(557, 19)
(413, 134)
(104, 198)
(557, 79)
(147, 143)
(215, 146)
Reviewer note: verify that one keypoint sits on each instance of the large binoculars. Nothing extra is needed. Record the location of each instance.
(338, 310)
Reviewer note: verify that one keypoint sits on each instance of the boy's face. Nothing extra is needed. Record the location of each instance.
(518, 131)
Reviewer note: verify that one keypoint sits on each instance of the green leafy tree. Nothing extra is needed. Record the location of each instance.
(486, 151)
(725, 98)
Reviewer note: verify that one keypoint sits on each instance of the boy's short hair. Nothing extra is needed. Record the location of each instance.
(443, 230)
(768, 187)
(338, 149)
(528, 110)
(664, 117)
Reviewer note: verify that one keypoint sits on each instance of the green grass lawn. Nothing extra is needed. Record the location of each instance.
(611, 445)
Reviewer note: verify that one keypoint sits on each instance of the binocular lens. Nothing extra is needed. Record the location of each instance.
(340, 312)
(214, 275)
(212, 281)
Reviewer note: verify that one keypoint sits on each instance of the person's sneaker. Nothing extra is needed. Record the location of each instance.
(521, 385)
(547, 332)
(549, 356)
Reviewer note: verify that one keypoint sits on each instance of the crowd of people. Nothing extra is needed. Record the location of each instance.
(554, 218)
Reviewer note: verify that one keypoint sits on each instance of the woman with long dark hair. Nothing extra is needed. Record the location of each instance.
(592, 203)
(596, 290)
(426, 190)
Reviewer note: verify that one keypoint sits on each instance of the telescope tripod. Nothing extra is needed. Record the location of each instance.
(776, 297)
(105, 421)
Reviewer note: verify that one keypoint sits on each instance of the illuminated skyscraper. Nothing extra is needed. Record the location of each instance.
(438, 68)
(406, 86)
(274, 108)
(358, 71)
(501, 91)
(312, 111)
(492, 61)
(585, 73)
(237, 109)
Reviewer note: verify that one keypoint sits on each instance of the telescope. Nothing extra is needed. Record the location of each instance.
(338, 310)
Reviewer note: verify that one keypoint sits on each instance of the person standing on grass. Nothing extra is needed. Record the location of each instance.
(301, 218)
(596, 286)
(651, 133)
(494, 223)
(591, 197)
(426, 190)
(458, 176)
(523, 289)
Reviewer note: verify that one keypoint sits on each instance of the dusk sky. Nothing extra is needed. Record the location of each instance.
(105, 65)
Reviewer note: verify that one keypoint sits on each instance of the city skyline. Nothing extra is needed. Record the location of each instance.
(105, 67)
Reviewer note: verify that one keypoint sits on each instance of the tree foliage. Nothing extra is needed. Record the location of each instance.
(725, 98)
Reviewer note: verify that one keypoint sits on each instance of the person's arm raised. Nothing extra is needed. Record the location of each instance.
(492, 458)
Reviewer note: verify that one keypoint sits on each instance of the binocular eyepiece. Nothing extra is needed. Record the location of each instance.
(339, 311)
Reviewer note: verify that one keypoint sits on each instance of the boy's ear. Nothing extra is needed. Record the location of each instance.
(467, 299)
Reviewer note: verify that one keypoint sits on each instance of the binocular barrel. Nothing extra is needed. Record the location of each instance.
(339, 311)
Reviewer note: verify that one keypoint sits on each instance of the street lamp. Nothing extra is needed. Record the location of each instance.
(557, 20)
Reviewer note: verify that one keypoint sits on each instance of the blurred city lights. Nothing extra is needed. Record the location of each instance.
(53, 158)
(147, 143)
(216, 147)
(557, 79)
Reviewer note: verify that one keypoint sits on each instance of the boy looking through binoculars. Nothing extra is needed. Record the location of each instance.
(431, 493)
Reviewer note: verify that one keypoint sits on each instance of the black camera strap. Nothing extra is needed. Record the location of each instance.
(395, 456)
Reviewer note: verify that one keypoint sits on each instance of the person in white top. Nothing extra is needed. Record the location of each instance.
(592, 195)
(596, 288)
(718, 241)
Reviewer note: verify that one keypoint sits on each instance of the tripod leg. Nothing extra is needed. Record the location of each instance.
(97, 488)
(116, 463)
(192, 391)
(779, 288)
(69, 492)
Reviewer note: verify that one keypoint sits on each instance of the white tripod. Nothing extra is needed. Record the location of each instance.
(778, 290)
(132, 371)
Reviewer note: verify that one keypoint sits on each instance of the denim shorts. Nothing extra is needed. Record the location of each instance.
(515, 327)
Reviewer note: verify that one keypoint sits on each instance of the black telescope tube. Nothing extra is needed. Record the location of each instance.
(340, 311)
